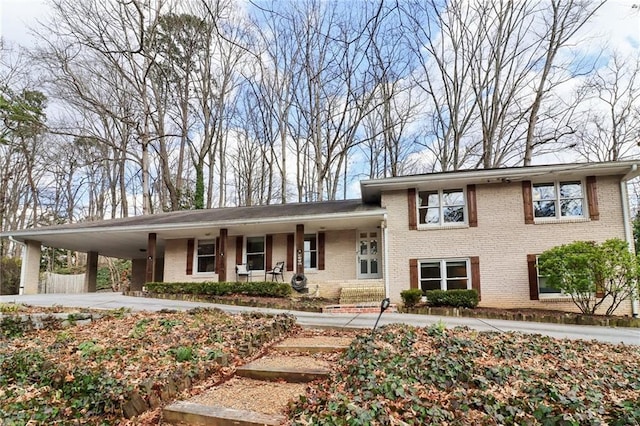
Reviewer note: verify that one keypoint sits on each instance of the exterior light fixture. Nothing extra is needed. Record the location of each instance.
(383, 307)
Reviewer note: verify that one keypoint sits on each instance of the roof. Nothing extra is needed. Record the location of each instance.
(127, 237)
(372, 189)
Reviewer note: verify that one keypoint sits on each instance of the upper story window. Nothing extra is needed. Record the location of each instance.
(442, 207)
(255, 253)
(444, 274)
(310, 251)
(206, 257)
(558, 199)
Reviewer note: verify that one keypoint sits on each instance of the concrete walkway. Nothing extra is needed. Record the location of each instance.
(629, 336)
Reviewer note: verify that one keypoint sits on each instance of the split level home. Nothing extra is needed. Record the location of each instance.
(473, 229)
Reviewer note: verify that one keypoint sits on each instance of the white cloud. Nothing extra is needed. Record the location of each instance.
(18, 16)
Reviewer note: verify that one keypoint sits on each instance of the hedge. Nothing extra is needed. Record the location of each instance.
(258, 288)
(411, 297)
(455, 298)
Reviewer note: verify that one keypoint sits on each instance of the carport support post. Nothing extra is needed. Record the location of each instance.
(222, 262)
(30, 272)
(91, 275)
(151, 258)
(299, 249)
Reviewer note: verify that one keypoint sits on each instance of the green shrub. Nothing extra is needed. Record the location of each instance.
(258, 288)
(584, 269)
(9, 275)
(455, 298)
(411, 297)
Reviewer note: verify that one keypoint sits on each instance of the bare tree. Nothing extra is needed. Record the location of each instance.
(445, 40)
(611, 128)
(562, 20)
(390, 63)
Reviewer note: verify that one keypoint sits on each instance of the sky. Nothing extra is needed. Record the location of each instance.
(615, 27)
(618, 21)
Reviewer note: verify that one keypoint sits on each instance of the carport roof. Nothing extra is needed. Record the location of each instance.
(127, 237)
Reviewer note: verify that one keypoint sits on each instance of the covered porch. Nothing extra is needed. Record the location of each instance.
(329, 243)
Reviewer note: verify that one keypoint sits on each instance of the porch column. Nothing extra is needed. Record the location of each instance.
(30, 270)
(222, 255)
(299, 249)
(151, 258)
(91, 275)
(138, 273)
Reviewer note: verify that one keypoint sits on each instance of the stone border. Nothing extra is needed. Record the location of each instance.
(14, 323)
(357, 308)
(566, 318)
(255, 302)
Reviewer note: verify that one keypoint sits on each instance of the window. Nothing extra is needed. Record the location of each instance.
(543, 288)
(441, 207)
(310, 251)
(445, 274)
(255, 253)
(206, 258)
(558, 200)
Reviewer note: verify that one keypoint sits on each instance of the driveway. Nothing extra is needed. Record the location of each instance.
(629, 336)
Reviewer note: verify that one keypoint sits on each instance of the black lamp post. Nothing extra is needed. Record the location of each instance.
(383, 307)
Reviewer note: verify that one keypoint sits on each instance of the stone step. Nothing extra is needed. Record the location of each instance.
(297, 369)
(313, 349)
(190, 413)
(287, 374)
(313, 345)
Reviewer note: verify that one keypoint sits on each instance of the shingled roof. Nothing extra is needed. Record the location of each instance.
(226, 214)
(125, 237)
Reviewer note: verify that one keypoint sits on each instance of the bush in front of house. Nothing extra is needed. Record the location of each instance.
(411, 297)
(9, 275)
(594, 275)
(455, 298)
(258, 288)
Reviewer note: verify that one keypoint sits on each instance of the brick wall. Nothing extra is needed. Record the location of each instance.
(501, 240)
(340, 262)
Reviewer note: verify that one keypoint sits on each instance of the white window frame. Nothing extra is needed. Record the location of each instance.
(440, 207)
(443, 271)
(542, 295)
(197, 256)
(306, 253)
(557, 201)
(263, 252)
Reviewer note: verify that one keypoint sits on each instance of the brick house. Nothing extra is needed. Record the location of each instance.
(477, 229)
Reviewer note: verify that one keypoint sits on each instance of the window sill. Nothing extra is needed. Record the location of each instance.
(423, 227)
(555, 298)
(545, 221)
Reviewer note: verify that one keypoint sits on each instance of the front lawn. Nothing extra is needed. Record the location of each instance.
(407, 375)
(123, 364)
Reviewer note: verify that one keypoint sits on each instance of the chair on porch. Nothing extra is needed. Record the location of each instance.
(277, 271)
(242, 271)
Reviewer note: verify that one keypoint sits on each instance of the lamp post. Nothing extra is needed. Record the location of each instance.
(383, 307)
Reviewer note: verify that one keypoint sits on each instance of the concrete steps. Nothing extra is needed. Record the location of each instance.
(281, 372)
(191, 413)
(279, 369)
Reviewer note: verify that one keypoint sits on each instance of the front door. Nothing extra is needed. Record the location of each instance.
(369, 264)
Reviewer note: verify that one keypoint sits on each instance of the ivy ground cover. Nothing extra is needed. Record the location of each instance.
(121, 364)
(405, 375)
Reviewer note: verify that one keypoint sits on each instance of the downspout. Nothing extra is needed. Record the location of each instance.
(628, 234)
(23, 269)
(385, 239)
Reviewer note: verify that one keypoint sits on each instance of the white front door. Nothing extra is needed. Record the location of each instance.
(369, 247)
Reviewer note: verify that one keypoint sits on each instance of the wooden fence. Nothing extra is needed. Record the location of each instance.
(57, 283)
